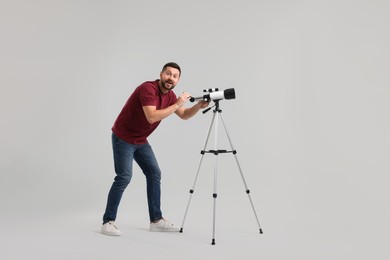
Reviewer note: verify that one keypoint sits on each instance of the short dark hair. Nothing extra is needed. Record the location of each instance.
(173, 65)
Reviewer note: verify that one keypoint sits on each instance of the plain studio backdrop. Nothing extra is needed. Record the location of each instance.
(310, 123)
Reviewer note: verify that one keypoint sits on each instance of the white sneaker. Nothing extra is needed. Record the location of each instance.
(110, 229)
(163, 226)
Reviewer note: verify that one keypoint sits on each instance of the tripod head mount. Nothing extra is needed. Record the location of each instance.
(216, 105)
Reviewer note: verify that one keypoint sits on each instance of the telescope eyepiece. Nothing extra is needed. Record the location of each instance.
(210, 90)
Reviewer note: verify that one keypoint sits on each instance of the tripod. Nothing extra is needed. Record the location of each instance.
(217, 112)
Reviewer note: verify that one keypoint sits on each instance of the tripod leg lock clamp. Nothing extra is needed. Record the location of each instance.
(214, 195)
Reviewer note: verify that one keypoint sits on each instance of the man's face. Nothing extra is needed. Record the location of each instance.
(169, 78)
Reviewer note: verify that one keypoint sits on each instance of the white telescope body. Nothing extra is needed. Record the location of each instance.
(216, 95)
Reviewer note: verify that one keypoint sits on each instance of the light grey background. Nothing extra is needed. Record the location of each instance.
(310, 123)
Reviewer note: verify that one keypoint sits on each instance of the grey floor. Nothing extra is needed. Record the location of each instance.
(76, 236)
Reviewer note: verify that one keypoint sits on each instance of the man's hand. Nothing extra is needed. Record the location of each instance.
(183, 98)
(203, 104)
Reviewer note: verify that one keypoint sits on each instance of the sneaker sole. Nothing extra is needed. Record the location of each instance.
(110, 234)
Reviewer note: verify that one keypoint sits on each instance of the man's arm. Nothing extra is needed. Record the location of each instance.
(186, 113)
(154, 115)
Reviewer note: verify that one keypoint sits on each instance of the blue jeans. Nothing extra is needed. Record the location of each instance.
(124, 153)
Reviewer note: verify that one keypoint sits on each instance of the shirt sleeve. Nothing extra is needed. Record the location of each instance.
(147, 95)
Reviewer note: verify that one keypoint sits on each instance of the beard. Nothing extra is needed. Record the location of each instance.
(168, 85)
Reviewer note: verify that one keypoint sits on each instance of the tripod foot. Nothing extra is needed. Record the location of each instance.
(261, 231)
(213, 242)
(181, 230)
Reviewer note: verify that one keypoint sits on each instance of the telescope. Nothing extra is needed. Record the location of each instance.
(214, 94)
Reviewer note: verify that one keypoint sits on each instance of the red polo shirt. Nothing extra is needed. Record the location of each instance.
(131, 124)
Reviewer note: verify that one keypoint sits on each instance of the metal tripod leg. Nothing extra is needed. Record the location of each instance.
(242, 175)
(216, 152)
(197, 172)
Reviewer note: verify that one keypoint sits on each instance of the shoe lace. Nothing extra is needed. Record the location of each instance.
(113, 224)
(167, 223)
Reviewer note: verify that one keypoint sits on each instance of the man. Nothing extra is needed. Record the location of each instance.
(150, 103)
